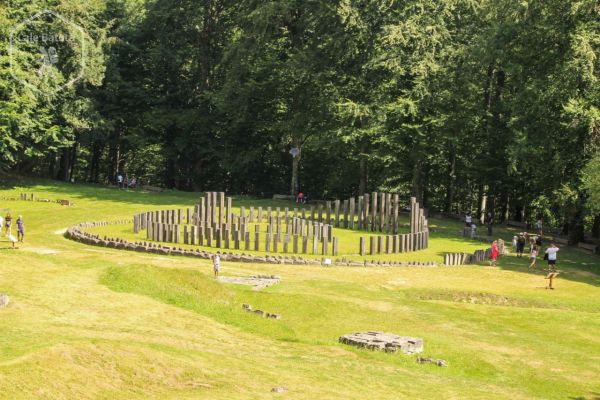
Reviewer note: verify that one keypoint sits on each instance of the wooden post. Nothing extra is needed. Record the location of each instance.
(247, 241)
(286, 241)
(229, 211)
(366, 212)
(345, 209)
(382, 214)
(373, 211)
(352, 210)
(363, 244)
(360, 212)
(396, 214)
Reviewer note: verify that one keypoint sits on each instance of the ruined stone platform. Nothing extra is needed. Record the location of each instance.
(258, 282)
(382, 341)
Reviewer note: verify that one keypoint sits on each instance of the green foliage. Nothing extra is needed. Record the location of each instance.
(451, 101)
(591, 183)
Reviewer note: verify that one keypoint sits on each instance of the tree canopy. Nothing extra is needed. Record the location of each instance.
(467, 105)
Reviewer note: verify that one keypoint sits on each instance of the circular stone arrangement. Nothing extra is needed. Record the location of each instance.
(387, 342)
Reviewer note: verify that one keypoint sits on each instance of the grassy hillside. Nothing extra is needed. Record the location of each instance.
(94, 323)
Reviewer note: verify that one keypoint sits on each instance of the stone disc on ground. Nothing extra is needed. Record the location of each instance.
(387, 342)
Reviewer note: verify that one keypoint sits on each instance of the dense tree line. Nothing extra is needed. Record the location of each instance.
(464, 104)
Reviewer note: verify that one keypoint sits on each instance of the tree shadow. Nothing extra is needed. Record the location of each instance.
(594, 396)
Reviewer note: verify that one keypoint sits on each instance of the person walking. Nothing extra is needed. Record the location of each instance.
(468, 220)
(120, 181)
(489, 221)
(216, 265)
(132, 183)
(551, 256)
(1, 224)
(8, 224)
(300, 198)
(520, 245)
(20, 229)
(495, 253)
(533, 258)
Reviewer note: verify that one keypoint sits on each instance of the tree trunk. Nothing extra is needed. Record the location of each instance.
(452, 179)
(74, 151)
(364, 176)
(417, 184)
(295, 184)
(596, 227)
(481, 203)
(64, 172)
(576, 223)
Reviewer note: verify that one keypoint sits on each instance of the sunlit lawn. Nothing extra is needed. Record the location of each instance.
(89, 322)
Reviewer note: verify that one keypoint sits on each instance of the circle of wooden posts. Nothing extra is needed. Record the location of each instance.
(212, 223)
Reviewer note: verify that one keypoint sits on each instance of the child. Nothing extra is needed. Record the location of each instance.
(20, 229)
(551, 252)
(495, 253)
(8, 224)
(216, 265)
(534, 254)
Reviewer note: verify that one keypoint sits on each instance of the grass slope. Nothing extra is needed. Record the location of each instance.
(93, 323)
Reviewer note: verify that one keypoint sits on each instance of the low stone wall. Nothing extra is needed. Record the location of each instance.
(77, 233)
(33, 197)
(456, 259)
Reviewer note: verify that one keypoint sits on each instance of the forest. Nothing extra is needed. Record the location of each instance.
(466, 105)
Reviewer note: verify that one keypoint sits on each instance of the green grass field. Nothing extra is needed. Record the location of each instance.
(93, 323)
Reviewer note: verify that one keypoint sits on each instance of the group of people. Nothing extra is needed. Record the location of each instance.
(126, 183)
(535, 245)
(302, 198)
(6, 226)
(489, 223)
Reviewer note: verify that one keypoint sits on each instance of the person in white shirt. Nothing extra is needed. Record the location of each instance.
(551, 252)
(468, 219)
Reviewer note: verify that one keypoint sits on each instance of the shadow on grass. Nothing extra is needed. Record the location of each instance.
(595, 396)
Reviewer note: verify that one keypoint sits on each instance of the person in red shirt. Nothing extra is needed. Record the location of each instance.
(495, 253)
(300, 197)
